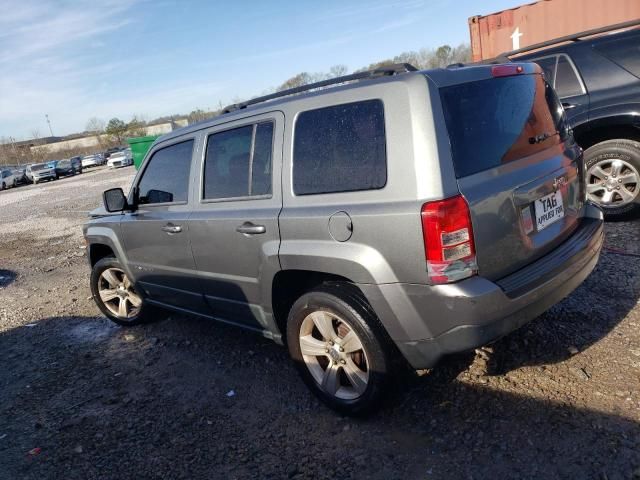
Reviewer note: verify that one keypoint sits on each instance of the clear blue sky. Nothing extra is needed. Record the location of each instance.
(80, 59)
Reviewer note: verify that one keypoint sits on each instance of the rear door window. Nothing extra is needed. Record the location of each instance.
(567, 83)
(561, 73)
(496, 121)
(238, 162)
(340, 148)
(166, 175)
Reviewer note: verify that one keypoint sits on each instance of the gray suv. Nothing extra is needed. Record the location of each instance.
(376, 220)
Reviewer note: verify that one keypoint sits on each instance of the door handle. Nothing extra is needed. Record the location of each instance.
(171, 228)
(249, 228)
(568, 106)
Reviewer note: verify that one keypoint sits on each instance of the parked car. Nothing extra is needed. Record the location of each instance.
(71, 166)
(20, 172)
(40, 171)
(110, 151)
(598, 80)
(7, 178)
(92, 160)
(120, 159)
(391, 216)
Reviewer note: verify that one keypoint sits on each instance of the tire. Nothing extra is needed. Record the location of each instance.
(3, 186)
(344, 308)
(606, 165)
(99, 283)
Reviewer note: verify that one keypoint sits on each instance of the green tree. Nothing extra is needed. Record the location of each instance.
(136, 128)
(117, 130)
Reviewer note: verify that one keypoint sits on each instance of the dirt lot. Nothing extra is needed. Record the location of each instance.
(81, 398)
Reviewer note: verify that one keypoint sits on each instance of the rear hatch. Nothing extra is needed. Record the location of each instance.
(514, 165)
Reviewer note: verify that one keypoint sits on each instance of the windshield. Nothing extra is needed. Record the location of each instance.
(40, 166)
(496, 121)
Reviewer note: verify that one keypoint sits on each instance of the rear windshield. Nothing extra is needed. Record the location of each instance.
(496, 121)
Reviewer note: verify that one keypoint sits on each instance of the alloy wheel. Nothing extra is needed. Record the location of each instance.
(612, 183)
(334, 355)
(117, 293)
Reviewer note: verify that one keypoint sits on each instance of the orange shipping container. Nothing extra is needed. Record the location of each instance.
(544, 20)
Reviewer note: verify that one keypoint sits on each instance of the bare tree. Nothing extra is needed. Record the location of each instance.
(95, 125)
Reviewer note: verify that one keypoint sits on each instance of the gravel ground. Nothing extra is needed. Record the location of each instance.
(186, 398)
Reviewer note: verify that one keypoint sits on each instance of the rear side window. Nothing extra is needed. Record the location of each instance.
(495, 121)
(166, 175)
(340, 149)
(567, 83)
(624, 51)
(561, 74)
(238, 162)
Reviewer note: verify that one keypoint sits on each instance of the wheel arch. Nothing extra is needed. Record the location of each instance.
(289, 285)
(608, 128)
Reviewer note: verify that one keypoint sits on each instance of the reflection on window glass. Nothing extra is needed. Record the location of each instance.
(261, 170)
(495, 121)
(567, 83)
(226, 171)
(166, 176)
(548, 66)
(228, 162)
(623, 51)
(340, 149)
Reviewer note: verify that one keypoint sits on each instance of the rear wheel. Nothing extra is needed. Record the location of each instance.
(3, 186)
(340, 349)
(613, 175)
(115, 294)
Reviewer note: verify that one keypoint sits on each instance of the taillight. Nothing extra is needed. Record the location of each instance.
(506, 70)
(448, 240)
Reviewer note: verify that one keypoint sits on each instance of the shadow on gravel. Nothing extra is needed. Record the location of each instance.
(580, 320)
(7, 277)
(189, 398)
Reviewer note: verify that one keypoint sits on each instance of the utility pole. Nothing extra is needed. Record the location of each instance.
(46, 115)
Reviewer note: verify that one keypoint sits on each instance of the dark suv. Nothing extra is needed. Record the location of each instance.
(596, 74)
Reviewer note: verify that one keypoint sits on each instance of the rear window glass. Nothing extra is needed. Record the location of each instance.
(496, 121)
(340, 149)
(624, 51)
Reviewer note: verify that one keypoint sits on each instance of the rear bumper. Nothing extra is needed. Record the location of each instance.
(427, 322)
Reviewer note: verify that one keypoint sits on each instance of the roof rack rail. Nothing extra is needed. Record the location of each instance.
(567, 38)
(387, 70)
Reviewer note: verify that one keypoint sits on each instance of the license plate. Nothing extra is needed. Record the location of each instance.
(549, 209)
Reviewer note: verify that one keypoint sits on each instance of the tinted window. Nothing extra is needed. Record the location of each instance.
(340, 149)
(166, 176)
(567, 83)
(496, 121)
(548, 66)
(229, 162)
(624, 51)
(261, 170)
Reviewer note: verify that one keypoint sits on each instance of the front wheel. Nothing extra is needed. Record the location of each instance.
(115, 294)
(613, 175)
(340, 349)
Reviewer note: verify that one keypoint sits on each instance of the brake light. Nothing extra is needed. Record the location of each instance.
(448, 240)
(506, 70)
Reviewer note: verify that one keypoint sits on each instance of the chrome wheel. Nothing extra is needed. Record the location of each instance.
(612, 183)
(117, 293)
(334, 355)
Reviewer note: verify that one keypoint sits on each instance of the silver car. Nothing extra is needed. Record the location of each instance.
(382, 218)
(41, 171)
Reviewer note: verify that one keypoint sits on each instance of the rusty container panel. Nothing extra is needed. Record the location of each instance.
(544, 20)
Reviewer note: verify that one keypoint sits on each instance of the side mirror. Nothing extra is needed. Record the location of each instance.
(114, 200)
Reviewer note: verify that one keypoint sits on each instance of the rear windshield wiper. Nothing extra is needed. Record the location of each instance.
(539, 138)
